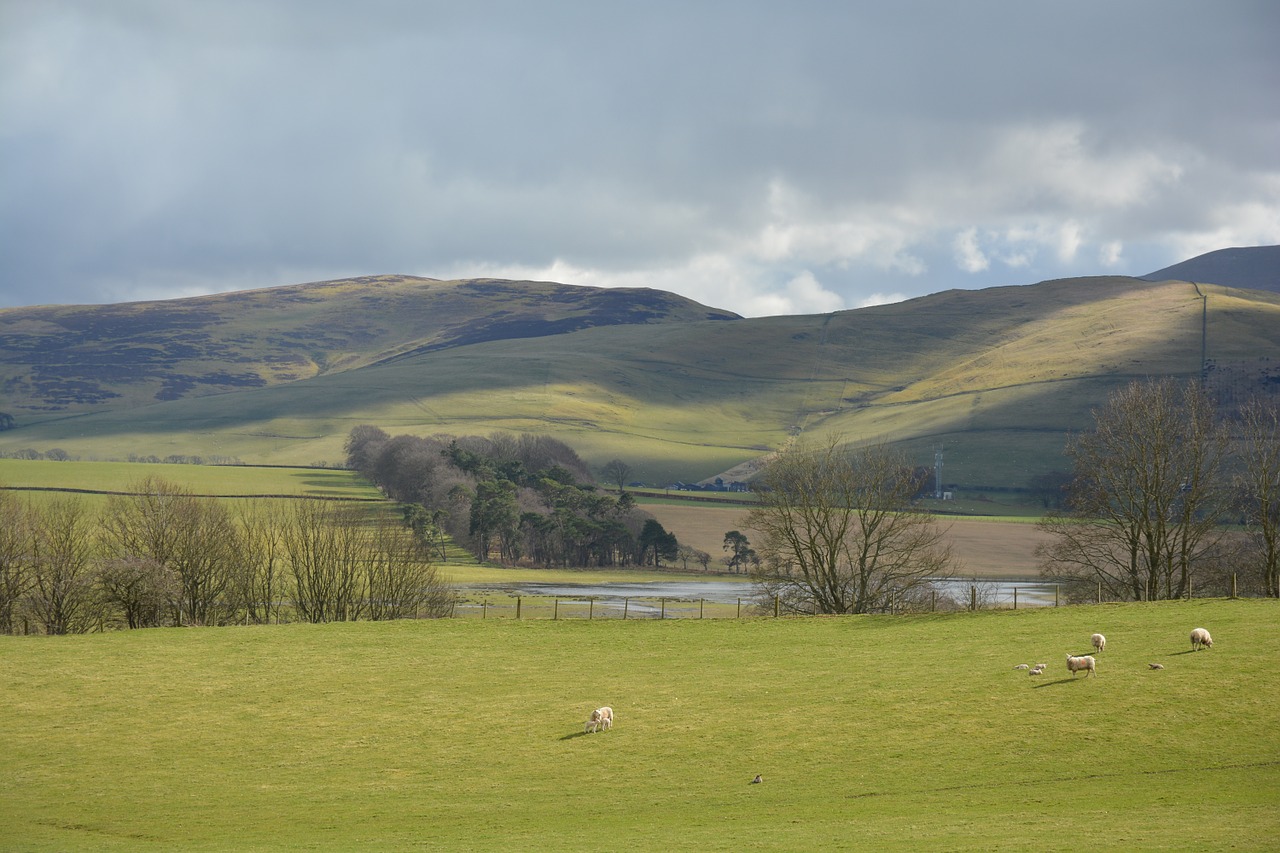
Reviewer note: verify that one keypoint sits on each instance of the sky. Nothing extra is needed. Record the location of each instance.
(763, 157)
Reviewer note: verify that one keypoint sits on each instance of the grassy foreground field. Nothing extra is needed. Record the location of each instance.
(884, 733)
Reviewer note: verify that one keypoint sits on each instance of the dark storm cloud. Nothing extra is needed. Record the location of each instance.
(762, 157)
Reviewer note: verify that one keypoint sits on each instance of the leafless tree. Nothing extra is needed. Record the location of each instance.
(259, 574)
(62, 597)
(841, 529)
(1258, 486)
(193, 537)
(15, 558)
(325, 544)
(138, 588)
(617, 472)
(1146, 495)
(402, 581)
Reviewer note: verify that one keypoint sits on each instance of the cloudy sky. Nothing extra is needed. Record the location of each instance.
(765, 157)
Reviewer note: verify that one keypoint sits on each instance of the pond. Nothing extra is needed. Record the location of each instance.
(992, 593)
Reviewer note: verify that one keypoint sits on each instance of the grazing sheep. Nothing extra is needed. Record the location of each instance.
(757, 780)
(1099, 642)
(1042, 666)
(1084, 662)
(1200, 638)
(606, 717)
(1022, 666)
(1156, 665)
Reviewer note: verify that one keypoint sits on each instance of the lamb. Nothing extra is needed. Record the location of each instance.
(1200, 638)
(1156, 665)
(1022, 666)
(593, 723)
(606, 716)
(1036, 670)
(1099, 642)
(1084, 662)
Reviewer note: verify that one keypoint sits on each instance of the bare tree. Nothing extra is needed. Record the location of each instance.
(139, 588)
(193, 537)
(325, 545)
(842, 531)
(402, 581)
(259, 575)
(61, 596)
(1146, 495)
(15, 558)
(1258, 485)
(617, 472)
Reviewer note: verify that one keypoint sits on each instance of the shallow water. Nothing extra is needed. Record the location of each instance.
(991, 593)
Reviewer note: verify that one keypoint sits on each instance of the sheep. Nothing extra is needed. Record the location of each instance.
(1042, 666)
(1099, 642)
(595, 723)
(1084, 662)
(1022, 666)
(606, 716)
(757, 780)
(1200, 638)
(1035, 670)
(1156, 665)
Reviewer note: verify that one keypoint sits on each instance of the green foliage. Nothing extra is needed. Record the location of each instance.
(871, 733)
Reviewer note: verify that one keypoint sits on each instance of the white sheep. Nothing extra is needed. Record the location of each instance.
(1035, 670)
(1022, 666)
(1156, 665)
(593, 723)
(606, 716)
(1200, 638)
(1099, 642)
(1084, 662)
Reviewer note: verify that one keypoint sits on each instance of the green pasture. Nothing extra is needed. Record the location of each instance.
(871, 733)
(214, 480)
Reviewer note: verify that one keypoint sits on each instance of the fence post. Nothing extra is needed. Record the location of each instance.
(775, 607)
(626, 604)
(591, 609)
(484, 609)
(739, 607)
(701, 601)
(662, 613)
(1233, 584)
(1015, 598)
(933, 601)
(1057, 589)
(555, 613)
(517, 607)
(973, 598)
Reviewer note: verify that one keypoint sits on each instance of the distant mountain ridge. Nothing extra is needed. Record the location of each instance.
(1251, 268)
(82, 357)
(680, 391)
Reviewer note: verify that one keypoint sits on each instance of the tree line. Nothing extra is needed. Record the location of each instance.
(161, 556)
(514, 499)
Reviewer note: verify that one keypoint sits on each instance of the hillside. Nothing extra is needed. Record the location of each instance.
(83, 358)
(996, 377)
(1251, 267)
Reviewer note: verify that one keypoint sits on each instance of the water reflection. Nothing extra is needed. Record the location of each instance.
(991, 593)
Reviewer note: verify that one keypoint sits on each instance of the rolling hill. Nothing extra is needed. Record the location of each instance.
(996, 377)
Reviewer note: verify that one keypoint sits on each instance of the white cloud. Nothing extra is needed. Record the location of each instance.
(969, 256)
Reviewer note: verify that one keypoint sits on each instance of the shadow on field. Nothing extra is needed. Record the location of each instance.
(1059, 681)
(574, 735)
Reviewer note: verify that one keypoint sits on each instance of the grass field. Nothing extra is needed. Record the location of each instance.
(881, 733)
